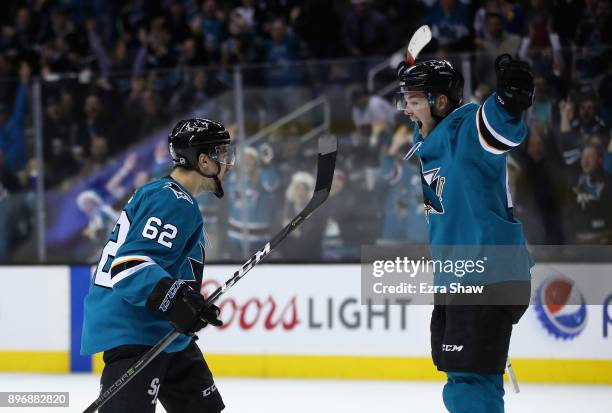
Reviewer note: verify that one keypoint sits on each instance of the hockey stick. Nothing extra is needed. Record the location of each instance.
(418, 41)
(328, 146)
(512, 376)
(420, 38)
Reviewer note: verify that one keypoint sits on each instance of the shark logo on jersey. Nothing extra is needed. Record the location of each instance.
(178, 192)
(197, 268)
(433, 185)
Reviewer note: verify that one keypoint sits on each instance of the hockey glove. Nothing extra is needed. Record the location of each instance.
(514, 84)
(182, 306)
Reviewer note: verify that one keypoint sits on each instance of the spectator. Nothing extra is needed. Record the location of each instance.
(487, 7)
(495, 41)
(514, 16)
(605, 95)
(450, 22)
(120, 59)
(286, 151)
(156, 48)
(607, 160)
(403, 218)
(94, 122)
(568, 13)
(176, 22)
(195, 94)
(575, 130)
(64, 45)
(539, 191)
(481, 93)
(98, 151)
(366, 32)
(280, 51)
(126, 179)
(212, 27)
(541, 48)
(11, 124)
(102, 219)
(594, 39)
(591, 200)
(304, 243)
(9, 184)
(250, 188)
(371, 109)
(23, 36)
(57, 148)
(324, 39)
(588, 121)
(246, 11)
(284, 75)
(192, 53)
(161, 160)
(340, 224)
(238, 48)
(542, 109)
(144, 112)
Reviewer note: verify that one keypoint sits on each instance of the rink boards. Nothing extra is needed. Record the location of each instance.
(298, 321)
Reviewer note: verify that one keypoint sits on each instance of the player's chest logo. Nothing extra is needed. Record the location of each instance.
(433, 186)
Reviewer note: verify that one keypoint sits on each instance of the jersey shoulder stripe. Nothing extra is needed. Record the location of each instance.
(498, 131)
(487, 139)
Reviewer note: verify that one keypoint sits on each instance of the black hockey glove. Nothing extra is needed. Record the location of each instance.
(514, 84)
(184, 307)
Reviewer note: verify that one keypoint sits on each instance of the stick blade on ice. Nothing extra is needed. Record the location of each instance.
(419, 40)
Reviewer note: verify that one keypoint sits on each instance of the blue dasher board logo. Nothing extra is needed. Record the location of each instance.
(560, 307)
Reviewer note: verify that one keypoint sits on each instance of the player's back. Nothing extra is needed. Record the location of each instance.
(159, 234)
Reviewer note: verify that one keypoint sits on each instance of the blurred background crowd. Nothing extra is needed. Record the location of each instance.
(90, 88)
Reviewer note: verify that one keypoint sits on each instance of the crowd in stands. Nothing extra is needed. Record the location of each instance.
(113, 73)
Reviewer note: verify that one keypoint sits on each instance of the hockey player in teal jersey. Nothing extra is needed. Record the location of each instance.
(462, 150)
(148, 281)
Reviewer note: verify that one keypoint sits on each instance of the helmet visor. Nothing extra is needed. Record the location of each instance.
(225, 154)
(400, 101)
(414, 100)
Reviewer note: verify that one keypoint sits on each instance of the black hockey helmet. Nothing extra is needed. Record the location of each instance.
(433, 77)
(192, 137)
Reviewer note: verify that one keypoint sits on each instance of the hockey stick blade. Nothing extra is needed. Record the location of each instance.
(418, 41)
(326, 162)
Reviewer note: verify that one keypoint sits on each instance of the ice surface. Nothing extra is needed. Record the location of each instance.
(328, 396)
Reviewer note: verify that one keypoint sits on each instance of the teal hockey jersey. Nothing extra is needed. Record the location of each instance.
(160, 233)
(465, 188)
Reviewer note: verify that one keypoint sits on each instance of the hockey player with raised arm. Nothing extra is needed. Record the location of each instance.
(148, 281)
(462, 151)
